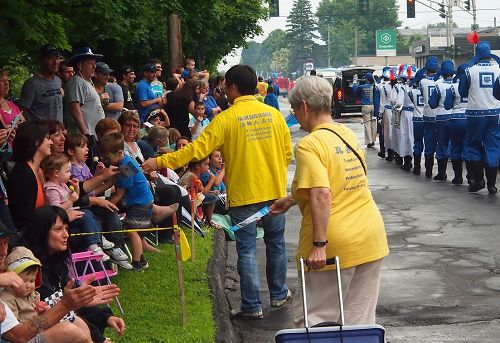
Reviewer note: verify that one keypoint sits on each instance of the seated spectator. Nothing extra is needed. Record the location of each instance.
(41, 96)
(211, 107)
(213, 181)
(25, 303)
(173, 136)
(8, 110)
(57, 134)
(199, 120)
(155, 117)
(126, 81)
(271, 99)
(156, 138)
(110, 93)
(57, 172)
(191, 181)
(104, 211)
(133, 187)
(48, 238)
(49, 328)
(105, 126)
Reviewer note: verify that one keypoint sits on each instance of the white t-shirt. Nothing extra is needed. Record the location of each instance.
(10, 320)
(203, 124)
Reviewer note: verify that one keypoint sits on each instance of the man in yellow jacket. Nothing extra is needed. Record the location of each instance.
(255, 142)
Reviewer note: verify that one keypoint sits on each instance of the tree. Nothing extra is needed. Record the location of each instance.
(405, 42)
(342, 43)
(259, 55)
(252, 54)
(301, 32)
(281, 59)
(336, 14)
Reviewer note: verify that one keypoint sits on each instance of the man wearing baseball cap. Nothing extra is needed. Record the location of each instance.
(41, 96)
(110, 93)
(146, 98)
(47, 327)
(126, 80)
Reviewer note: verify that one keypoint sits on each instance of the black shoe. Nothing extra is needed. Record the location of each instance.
(407, 163)
(416, 162)
(470, 173)
(137, 265)
(441, 175)
(381, 154)
(390, 155)
(398, 160)
(478, 173)
(144, 262)
(457, 168)
(429, 164)
(491, 179)
(492, 189)
(371, 145)
(476, 186)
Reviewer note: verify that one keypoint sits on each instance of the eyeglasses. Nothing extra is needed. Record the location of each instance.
(110, 157)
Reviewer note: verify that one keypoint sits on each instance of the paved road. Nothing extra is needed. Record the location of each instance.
(441, 282)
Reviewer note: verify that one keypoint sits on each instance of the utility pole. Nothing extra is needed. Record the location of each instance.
(175, 42)
(474, 20)
(450, 23)
(328, 47)
(356, 47)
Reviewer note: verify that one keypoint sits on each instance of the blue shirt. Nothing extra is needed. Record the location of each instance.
(206, 176)
(209, 103)
(365, 92)
(272, 100)
(147, 149)
(143, 92)
(137, 192)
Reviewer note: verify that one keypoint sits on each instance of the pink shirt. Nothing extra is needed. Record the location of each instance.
(8, 117)
(56, 193)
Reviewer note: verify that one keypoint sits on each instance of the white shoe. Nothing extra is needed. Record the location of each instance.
(99, 251)
(123, 264)
(117, 254)
(106, 245)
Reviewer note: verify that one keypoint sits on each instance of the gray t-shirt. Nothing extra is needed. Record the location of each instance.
(80, 90)
(42, 98)
(115, 95)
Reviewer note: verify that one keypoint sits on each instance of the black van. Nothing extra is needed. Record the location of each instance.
(344, 100)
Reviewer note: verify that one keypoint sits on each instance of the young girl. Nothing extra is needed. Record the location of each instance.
(190, 178)
(213, 181)
(76, 149)
(57, 172)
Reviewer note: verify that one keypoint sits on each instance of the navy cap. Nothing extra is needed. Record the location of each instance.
(103, 68)
(150, 68)
(49, 50)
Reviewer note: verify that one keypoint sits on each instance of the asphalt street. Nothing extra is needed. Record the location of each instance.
(441, 281)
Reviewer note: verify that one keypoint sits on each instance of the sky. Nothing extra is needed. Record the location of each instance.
(486, 11)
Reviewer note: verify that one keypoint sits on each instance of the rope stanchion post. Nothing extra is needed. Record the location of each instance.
(180, 274)
(194, 187)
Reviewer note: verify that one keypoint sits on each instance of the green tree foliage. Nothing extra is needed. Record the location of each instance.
(405, 42)
(301, 30)
(281, 60)
(260, 55)
(129, 31)
(252, 54)
(341, 16)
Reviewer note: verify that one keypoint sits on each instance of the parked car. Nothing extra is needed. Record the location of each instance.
(344, 100)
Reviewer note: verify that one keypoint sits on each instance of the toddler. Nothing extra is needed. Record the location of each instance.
(199, 121)
(213, 180)
(57, 171)
(132, 186)
(25, 303)
(75, 147)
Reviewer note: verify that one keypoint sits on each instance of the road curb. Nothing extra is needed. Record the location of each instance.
(217, 281)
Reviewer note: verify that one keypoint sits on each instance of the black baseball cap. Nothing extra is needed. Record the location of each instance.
(150, 68)
(126, 70)
(103, 68)
(49, 50)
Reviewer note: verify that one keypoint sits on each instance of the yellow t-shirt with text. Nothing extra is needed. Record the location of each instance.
(356, 231)
(255, 143)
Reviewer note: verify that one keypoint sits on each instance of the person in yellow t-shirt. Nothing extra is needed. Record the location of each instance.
(255, 142)
(262, 87)
(339, 215)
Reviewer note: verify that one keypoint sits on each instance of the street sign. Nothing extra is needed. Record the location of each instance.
(385, 41)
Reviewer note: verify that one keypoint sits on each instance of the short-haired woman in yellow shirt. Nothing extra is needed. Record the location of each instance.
(340, 217)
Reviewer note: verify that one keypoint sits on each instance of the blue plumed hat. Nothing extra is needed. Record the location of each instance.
(483, 51)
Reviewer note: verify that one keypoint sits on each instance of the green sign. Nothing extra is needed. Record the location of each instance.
(385, 41)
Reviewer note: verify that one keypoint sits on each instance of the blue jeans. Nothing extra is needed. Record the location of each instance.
(276, 258)
(457, 137)
(482, 140)
(430, 137)
(443, 139)
(87, 223)
(418, 137)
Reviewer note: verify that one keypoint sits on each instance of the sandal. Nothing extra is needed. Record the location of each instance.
(213, 224)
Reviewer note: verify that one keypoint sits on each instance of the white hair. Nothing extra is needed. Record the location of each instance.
(315, 91)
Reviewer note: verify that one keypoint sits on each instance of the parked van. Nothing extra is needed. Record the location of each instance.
(344, 100)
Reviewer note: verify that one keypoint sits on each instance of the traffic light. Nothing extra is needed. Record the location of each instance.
(467, 5)
(442, 11)
(410, 8)
(363, 6)
(274, 8)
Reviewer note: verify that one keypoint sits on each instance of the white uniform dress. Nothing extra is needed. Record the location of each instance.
(385, 94)
(406, 124)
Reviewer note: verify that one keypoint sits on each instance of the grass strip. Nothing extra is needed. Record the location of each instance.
(150, 299)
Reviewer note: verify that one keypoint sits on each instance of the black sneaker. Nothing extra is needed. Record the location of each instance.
(144, 262)
(239, 314)
(137, 266)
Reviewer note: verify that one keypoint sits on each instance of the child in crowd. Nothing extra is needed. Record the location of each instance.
(208, 199)
(271, 99)
(180, 143)
(132, 186)
(75, 147)
(25, 303)
(171, 85)
(190, 72)
(199, 121)
(213, 181)
(156, 116)
(57, 171)
(173, 136)
(156, 138)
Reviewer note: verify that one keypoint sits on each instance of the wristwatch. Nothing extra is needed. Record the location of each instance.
(320, 244)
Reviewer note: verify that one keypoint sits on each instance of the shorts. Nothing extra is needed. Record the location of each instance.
(139, 217)
(40, 338)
